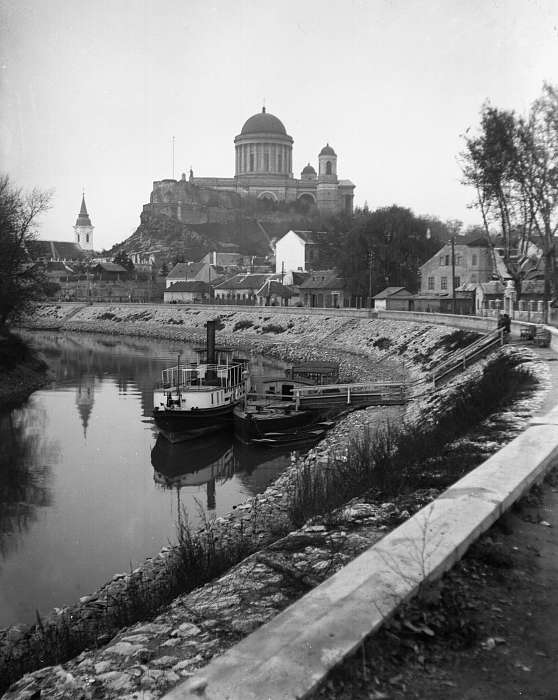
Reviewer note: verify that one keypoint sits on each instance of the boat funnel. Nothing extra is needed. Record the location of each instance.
(211, 355)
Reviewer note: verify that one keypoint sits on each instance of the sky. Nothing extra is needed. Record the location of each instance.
(92, 92)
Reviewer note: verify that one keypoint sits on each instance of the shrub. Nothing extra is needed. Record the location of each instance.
(382, 343)
(273, 328)
(241, 325)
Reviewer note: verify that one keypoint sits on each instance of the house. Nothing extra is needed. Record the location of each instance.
(241, 288)
(187, 293)
(192, 272)
(394, 299)
(109, 271)
(297, 250)
(323, 288)
(223, 259)
(144, 261)
(453, 266)
(487, 295)
(273, 293)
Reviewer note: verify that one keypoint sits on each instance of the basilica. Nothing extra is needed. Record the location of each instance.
(263, 169)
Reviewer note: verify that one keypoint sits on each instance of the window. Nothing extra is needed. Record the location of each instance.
(280, 162)
(431, 283)
(251, 161)
(266, 161)
(474, 259)
(87, 238)
(444, 283)
(447, 259)
(441, 260)
(328, 167)
(459, 259)
(457, 281)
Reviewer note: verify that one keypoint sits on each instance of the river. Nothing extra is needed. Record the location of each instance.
(87, 489)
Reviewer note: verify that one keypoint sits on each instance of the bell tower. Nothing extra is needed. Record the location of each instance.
(83, 230)
(327, 191)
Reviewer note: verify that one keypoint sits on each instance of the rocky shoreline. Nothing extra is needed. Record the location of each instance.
(147, 659)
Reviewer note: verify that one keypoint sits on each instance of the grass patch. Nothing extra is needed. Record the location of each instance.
(456, 340)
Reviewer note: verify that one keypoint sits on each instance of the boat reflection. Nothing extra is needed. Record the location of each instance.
(214, 459)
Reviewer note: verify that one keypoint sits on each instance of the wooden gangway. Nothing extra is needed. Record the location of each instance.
(359, 395)
(395, 393)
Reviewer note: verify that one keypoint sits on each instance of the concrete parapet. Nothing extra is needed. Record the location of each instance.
(288, 657)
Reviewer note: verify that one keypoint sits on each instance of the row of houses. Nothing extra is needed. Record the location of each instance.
(319, 288)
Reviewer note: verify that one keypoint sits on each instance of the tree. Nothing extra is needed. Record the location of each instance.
(21, 280)
(385, 248)
(537, 178)
(122, 258)
(513, 166)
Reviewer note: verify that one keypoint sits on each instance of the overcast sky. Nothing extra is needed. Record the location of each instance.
(92, 92)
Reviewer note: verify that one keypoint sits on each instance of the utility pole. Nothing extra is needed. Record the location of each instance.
(370, 261)
(282, 271)
(453, 274)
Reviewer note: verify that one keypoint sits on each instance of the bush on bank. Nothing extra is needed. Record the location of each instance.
(399, 459)
(21, 371)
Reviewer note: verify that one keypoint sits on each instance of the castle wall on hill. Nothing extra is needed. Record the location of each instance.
(190, 204)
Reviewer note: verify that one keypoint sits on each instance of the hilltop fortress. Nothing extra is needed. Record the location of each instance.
(263, 157)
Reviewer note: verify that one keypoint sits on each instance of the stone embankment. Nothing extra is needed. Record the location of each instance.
(147, 659)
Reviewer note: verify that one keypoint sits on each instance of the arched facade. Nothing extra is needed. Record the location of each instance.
(264, 169)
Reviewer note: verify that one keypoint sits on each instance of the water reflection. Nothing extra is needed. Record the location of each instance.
(78, 501)
(25, 476)
(212, 460)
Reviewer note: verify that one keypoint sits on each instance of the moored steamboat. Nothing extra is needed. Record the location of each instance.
(198, 398)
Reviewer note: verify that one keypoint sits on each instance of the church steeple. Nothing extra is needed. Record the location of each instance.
(83, 229)
(83, 217)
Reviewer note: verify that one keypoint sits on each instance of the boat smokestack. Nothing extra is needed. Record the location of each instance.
(211, 358)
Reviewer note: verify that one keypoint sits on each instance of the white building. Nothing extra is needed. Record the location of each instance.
(297, 251)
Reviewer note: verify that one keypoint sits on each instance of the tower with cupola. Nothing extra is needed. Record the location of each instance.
(83, 230)
(327, 190)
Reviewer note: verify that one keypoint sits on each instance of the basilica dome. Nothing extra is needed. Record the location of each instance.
(263, 123)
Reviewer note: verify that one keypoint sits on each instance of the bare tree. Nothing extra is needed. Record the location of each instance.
(513, 166)
(21, 282)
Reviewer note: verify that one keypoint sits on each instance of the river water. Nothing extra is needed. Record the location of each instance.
(88, 489)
